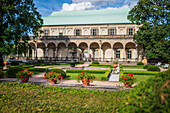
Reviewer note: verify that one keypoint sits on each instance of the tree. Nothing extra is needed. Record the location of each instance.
(154, 34)
(18, 18)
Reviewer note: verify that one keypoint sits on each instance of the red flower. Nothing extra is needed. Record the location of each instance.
(122, 76)
(135, 78)
(125, 78)
(129, 76)
(78, 75)
(127, 81)
(22, 71)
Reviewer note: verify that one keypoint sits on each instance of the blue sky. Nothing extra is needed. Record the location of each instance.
(46, 7)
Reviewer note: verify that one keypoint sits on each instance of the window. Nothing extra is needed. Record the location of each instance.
(60, 34)
(112, 32)
(94, 32)
(77, 32)
(130, 31)
(129, 54)
(46, 32)
(117, 54)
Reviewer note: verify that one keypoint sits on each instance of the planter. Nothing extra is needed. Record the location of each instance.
(127, 86)
(26, 80)
(85, 82)
(114, 65)
(53, 81)
(128, 61)
(5, 63)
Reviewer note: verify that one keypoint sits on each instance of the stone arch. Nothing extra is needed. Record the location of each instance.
(130, 49)
(32, 50)
(94, 46)
(61, 50)
(41, 49)
(118, 50)
(51, 49)
(72, 47)
(84, 50)
(106, 49)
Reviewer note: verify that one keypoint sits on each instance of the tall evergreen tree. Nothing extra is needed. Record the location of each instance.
(18, 18)
(154, 35)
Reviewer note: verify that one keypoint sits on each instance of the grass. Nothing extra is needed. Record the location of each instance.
(142, 77)
(139, 67)
(136, 72)
(72, 76)
(101, 66)
(17, 97)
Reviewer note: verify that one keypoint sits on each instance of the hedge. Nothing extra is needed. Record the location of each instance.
(11, 72)
(106, 75)
(88, 71)
(153, 68)
(139, 72)
(101, 65)
(38, 69)
(59, 71)
(151, 96)
(95, 62)
(132, 65)
(120, 71)
(140, 63)
(146, 66)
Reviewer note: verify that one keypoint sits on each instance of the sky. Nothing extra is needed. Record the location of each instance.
(46, 7)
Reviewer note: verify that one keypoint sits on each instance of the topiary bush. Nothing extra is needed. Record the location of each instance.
(140, 63)
(153, 68)
(11, 72)
(146, 66)
(81, 62)
(59, 71)
(151, 96)
(95, 62)
(14, 63)
(106, 75)
(40, 61)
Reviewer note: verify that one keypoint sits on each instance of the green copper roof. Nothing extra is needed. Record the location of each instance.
(106, 16)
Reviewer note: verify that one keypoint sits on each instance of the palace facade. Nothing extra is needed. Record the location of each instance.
(104, 35)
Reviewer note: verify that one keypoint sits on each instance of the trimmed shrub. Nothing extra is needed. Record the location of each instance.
(87, 71)
(139, 72)
(38, 69)
(106, 75)
(146, 66)
(11, 72)
(40, 61)
(101, 65)
(14, 63)
(140, 63)
(81, 62)
(151, 95)
(95, 62)
(59, 71)
(153, 68)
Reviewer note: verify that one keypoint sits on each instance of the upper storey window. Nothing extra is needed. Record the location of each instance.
(77, 32)
(130, 31)
(94, 32)
(112, 32)
(46, 32)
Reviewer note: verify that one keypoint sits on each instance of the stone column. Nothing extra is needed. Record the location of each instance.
(36, 52)
(112, 54)
(56, 51)
(45, 51)
(99, 53)
(88, 53)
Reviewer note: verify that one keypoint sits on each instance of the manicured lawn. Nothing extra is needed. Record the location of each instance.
(136, 72)
(139, 67)
(72, 76)
(17, 97)
(142, 77)
(101, 66)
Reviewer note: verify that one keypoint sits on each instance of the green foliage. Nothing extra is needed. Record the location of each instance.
(80, 62)
(87, 71)
(87, 76)
(41, 98)
(51, 75)
(18, 19)
(154, 35)
(150, 95)
(139, 72)
(120, 71)
(131, 65)
(140, 63)
(38, 69)
(40, 61)
(14, 63)
(2, 74)
(95, 62)
(11, 72)
(101, 65)
(153, 68)
(106, 75)
(60, 71)
(146, 66)
(24, 75)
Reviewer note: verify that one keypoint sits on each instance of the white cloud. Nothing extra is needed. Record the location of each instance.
(77, 6)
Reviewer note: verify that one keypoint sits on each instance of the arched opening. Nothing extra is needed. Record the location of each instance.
(40, 49)
(61, 50)
(84, 51)
(94, 53)
(51, 49)
(72, 47)
(106, 51)
(118, 50)
(130, 49)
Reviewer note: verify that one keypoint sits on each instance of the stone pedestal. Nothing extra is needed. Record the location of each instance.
(144, 60)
